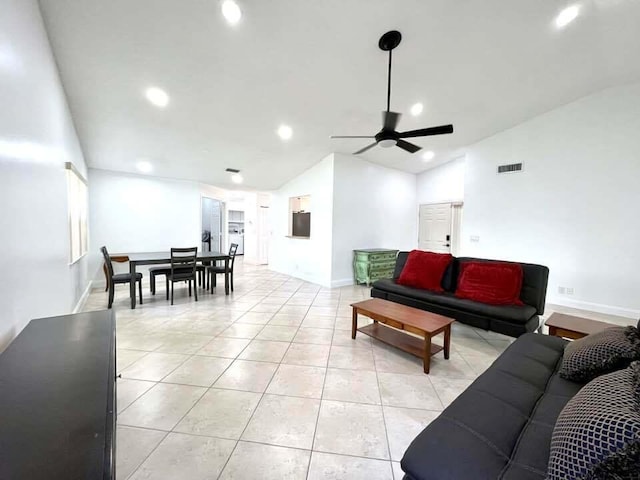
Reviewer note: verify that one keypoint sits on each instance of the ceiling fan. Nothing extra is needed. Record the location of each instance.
(388, 136)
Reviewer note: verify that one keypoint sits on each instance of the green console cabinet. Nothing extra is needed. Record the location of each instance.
(371, 264)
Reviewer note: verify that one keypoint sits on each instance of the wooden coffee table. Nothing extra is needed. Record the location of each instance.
(409, 319)
(568, 326)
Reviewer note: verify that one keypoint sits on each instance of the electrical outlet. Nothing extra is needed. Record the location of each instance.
(474, 238)
(565, 290)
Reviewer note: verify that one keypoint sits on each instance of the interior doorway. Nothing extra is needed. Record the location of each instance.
(439, 227)
(212, 224)
(263, 235)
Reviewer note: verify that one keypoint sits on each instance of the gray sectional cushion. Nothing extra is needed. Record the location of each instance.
(597, 434)
(501, 426)
(515, 313)
(599, 353)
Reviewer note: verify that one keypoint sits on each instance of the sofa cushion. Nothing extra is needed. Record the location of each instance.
(425, 270)
(599, 353)
(488, 431)
(597, 434)
(534, 282)
(514, 313)
(495, 283)
(448, 279)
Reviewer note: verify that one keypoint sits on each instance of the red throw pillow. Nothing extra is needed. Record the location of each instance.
(424, 270)
(495, 283)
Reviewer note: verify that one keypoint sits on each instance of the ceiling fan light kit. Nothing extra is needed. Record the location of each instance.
(388, 136)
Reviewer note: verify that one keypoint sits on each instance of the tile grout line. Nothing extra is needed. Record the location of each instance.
(384, 417)
(315, 428)
(250, 417)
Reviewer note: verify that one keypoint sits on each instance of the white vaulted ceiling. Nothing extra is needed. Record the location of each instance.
(483, 65)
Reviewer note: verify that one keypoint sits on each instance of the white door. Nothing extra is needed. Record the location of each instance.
(434, 228)
(263, 235)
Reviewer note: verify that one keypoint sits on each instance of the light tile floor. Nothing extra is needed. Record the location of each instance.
(268, 384)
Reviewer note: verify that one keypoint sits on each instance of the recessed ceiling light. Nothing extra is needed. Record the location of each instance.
(157, 96)
(236, 178)
(416, 109)
(566, 16)
(144, 166)
(285, 132)
(231, 11)
(428, 155)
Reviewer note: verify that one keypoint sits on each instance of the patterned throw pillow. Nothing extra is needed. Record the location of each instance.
(597, 434)
(598, 353)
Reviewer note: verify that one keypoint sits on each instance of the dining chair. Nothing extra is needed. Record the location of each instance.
(215, 269)
(154, 272)
(114, 279)
(183, 269)
(202, 271)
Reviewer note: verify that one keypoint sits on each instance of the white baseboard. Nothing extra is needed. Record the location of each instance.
(596, 307)
(83, 298)
(345, 282)
(300, 276)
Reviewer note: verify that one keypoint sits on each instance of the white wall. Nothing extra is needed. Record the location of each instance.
(306, 258)
(136, 213)
(37, 136)
(574, 208)
(373, 207)
(442, 184)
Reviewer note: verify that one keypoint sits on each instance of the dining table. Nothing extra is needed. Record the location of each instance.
(156, 258)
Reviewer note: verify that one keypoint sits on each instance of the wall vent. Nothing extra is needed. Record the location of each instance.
(511, 168)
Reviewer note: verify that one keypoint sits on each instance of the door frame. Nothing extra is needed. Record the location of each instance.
(224, 224)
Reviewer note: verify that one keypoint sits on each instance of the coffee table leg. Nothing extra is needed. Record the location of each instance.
(427, 353)
(354, 322)
(553, 331)
(447, 342)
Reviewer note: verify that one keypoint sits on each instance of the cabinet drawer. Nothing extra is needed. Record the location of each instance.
(381, 274)
(385, 265)
(381, 257)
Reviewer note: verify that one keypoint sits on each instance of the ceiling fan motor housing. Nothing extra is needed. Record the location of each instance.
(386, 139)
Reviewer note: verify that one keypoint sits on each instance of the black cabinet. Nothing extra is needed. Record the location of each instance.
(58, 399)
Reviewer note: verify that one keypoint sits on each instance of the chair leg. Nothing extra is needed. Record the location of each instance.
(195, 290)
(140, 290)
(111, 288)
(189, 282)
(172, 284)
(167, 289)
(152, 283)
(231, 280)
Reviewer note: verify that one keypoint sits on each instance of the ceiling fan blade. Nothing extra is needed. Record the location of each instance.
(409, 147)
(350, 136)
(362, 150)
(425, 132)
(390, 120)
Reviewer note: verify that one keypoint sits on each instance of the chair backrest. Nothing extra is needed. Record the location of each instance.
(232, 254)
(183, 260)
(107, 261)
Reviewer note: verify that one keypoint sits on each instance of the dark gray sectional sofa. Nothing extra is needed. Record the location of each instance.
(510, 320)
(501, 426)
